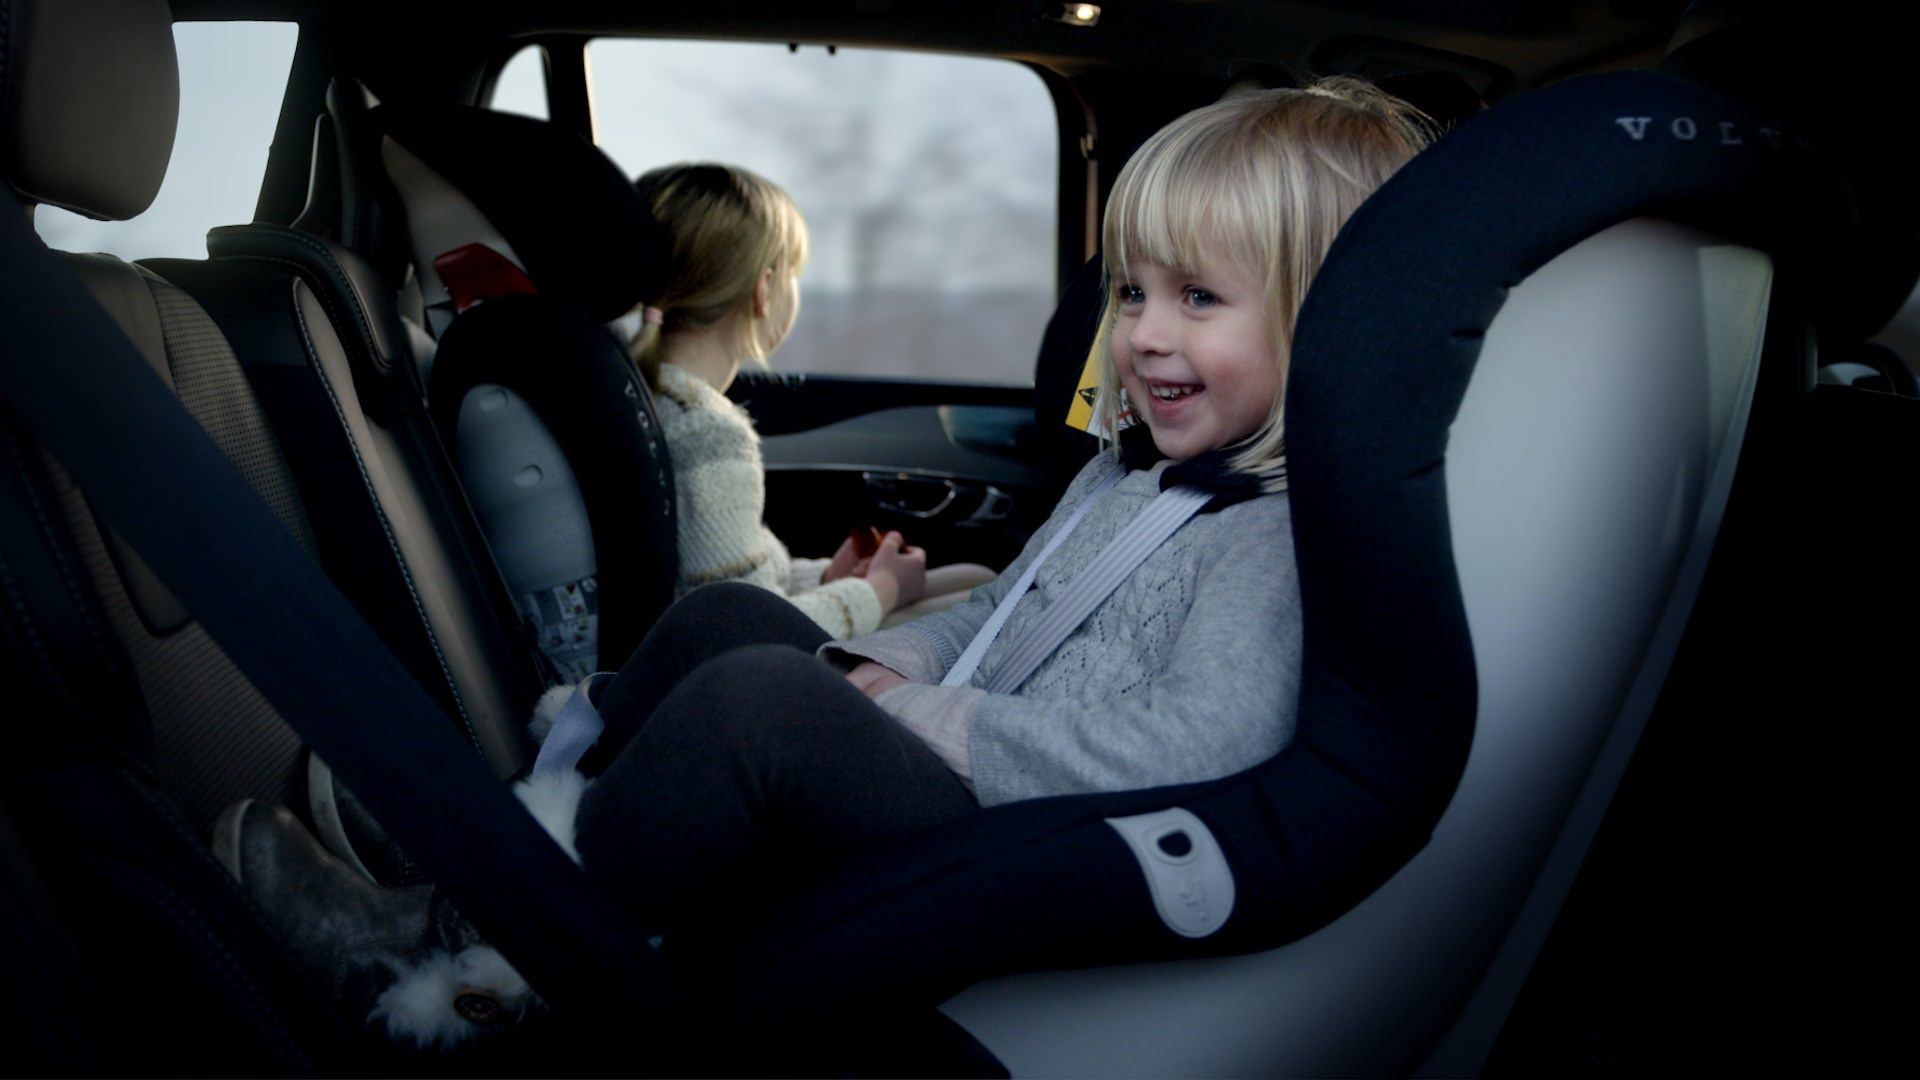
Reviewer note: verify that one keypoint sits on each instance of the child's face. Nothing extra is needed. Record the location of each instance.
(783, 308)
(1196, 353)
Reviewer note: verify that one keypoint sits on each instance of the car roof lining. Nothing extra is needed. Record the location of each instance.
(1531, 43)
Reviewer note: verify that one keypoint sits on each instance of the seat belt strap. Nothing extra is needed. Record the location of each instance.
(1094, 583)
(963, 668)
(152, 474)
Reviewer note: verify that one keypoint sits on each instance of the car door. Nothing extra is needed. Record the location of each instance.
(954, 467)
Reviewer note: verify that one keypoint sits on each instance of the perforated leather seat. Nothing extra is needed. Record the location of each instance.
(144, 728)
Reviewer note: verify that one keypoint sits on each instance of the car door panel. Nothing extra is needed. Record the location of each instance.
(953, 467)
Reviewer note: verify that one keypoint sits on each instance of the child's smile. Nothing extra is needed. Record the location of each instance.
(1196, 353)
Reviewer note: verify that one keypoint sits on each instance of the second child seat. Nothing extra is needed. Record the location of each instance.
(527, 243)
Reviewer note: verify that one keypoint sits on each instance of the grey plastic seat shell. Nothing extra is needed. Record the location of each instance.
(530, 506)
(1586, 475)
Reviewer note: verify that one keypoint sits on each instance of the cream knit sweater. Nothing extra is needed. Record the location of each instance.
(722, 498)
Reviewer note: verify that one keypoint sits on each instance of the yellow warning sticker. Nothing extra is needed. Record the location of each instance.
(1080, 412)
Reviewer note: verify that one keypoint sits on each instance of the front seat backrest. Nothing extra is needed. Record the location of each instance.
(322, 345)
(136, 726)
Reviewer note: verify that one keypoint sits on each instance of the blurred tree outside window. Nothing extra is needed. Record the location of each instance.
(928, 183)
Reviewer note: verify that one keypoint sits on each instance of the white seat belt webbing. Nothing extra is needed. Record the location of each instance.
(1095, 582)
(964, 667)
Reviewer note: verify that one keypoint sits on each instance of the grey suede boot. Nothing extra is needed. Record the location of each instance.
(400, 958)
(345, 828)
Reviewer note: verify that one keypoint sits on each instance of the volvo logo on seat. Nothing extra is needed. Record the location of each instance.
(1688, 129)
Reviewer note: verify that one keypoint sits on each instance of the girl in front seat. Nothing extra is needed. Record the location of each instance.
(1149, 635)
(732, 296)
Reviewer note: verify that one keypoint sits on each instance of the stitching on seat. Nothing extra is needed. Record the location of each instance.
(386, 526)
(325, 296)
(333, 272)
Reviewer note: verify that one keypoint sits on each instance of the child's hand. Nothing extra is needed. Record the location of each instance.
(854, 555)
(846, 562)
(874, 679)
(897, 573)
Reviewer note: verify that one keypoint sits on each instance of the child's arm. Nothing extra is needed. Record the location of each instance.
(804, 574)
(844, 607)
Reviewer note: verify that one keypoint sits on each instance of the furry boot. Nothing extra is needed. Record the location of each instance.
(402, 958)
(347, 830)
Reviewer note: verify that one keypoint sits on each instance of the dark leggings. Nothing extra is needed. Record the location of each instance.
(735, 765)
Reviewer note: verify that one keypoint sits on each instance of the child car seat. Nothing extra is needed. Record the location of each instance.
(527, 241)
(1496, 544)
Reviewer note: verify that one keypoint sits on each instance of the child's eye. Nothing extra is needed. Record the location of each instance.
(1201, 298)
(1130, 294)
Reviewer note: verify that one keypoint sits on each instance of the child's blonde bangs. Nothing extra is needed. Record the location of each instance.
(1194, 200)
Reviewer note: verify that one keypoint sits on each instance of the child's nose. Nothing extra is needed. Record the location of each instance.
(1152, 332)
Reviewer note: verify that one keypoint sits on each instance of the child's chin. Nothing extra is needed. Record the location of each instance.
(1170, 447)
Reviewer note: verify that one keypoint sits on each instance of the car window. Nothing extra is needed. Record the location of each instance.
(928, 183)
(522, 85)
(232, 77)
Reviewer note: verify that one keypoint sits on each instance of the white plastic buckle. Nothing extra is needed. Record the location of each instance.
(1187, 873)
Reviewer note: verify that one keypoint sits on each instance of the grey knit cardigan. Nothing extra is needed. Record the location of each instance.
(1189, 671)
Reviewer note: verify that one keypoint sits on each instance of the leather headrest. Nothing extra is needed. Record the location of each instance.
(572, 218)
(89, 96)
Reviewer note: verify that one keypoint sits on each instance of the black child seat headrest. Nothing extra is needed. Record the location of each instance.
(1064, 351)
(570, 216)
(1401, 571)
